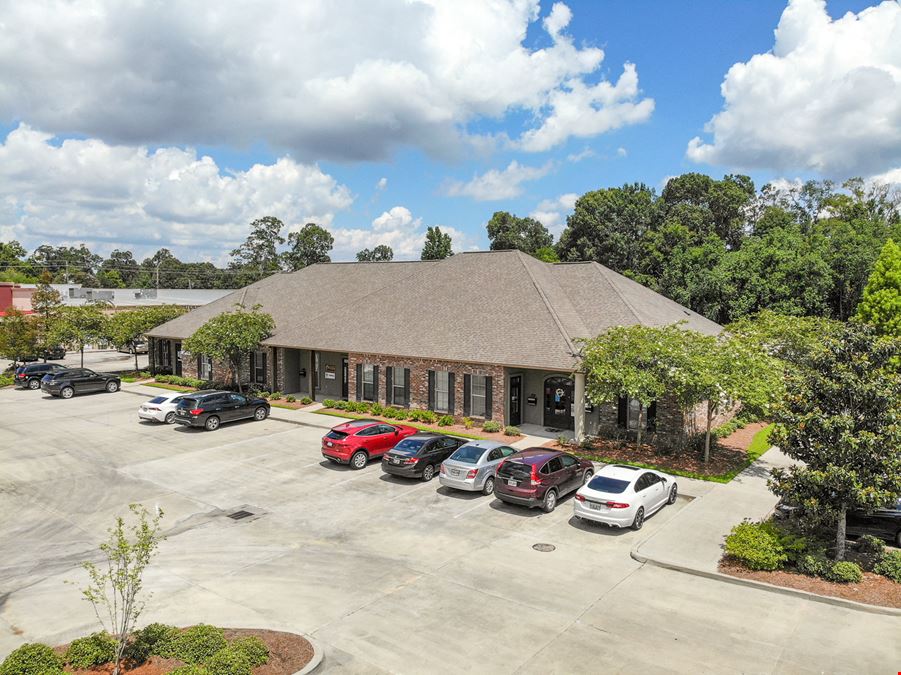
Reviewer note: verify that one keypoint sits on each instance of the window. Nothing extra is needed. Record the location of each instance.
(205, 368)
(386, 429)
(477, 405)
(609, 485)
(556, 464)
(398, 387)
(369, 431)
(495, 454)
(442, 391)
(568, 461)
(629, 411)
(508, 451)
(448, 442)
(259, 367)
(368, 382)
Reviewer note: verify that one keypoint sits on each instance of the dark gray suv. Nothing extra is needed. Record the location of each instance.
(29, 377)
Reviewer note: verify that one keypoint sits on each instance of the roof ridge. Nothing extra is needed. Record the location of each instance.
(547, 302)
(616, 290)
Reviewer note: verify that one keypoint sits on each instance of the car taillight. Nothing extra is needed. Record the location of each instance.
(21, 376)
(617, 505)
(411, 460)
(535, 480)
(472, 473)
(150, 407)
(498, 469)
(580, 498)
(196, 411)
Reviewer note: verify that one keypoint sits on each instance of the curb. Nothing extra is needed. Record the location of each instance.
(738, 581)
(317, 656)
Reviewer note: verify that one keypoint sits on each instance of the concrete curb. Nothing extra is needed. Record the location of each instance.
(751, 583)
(316, 661)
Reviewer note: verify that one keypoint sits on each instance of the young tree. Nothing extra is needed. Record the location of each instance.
(128, 327)
(881, 303)
(259, 251)
(437, 245)
(309, 246)
(115, 587)
(506, 231)
(80, 326)
(839, 419)
(546, 254)
(381, 253)
(230, 336)
(18, 336)
(46, 302)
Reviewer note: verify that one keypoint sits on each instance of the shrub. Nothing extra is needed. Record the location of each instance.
(445, 421)
(845, 572)
(93, 650)
(468, 423)
(276, 395)
(511, 431)
(6, 380)
(403, 414)
(290, 398)
(813, 565)
(870, 545)
(889, 566)
(756, 546)
(377, 408)
(198, 643)
(329, 403)
(254, 648)
(490, 426)
(264, 394)
(388, 413)
(306, 400)
(154, 639)
(428, 416)
(229, 661)
(190, 670)
(563, 440)
(32, 659)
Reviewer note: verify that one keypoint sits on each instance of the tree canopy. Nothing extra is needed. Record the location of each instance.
(79, 326)
(380, 253)
(881, 303)
(309, 246)
(437, 245)
(506, 232)
(129, 326)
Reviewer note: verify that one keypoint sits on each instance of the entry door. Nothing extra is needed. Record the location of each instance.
(516, 400)
(558, 402)
(177, 360)
(344, 378)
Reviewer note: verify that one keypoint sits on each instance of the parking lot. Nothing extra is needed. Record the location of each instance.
(387, 574)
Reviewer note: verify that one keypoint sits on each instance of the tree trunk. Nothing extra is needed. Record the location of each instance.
(638, 435)
(134, 348)
(707, 432)
(840, 533)
(236, 374)
(82, 355)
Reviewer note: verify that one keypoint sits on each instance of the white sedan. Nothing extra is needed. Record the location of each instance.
(623, 496)
(160, 408)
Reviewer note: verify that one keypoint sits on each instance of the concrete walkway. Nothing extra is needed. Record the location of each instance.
(694, 538)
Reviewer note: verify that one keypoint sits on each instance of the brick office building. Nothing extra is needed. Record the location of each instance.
(486, 335)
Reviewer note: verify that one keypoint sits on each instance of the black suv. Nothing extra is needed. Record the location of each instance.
(70, 381)
(209, 409)
(29, 377)
(420, 455)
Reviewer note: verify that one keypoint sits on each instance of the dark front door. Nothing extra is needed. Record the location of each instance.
(516, 400)
(344, 379)
(178, 358)
(558, 402)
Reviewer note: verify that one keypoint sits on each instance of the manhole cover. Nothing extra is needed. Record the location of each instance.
(544, 548)
(238, 515)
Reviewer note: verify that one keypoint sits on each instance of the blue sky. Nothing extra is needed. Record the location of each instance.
(106, 144)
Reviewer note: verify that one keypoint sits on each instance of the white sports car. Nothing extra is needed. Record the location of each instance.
(623, 496)
(160, 408)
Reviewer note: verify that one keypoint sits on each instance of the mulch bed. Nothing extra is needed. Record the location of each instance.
(450, 429)
(873, 590)
(288, 653)
(282, 403)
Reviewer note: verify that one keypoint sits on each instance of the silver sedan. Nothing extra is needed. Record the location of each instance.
(472, 466)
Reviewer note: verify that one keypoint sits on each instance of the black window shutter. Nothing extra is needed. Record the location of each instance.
(467, 394)
(375, 383)
(622, 412)
(431, 390)
(450, 394)
(199, 360)
(652, 417)
(488, 397)
(389, 385)
(406, 402)
(359, 381)
(253, 366)
(265, 370)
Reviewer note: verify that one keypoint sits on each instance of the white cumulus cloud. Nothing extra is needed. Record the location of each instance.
(497, 183)
(552, 212)
(321, 79)
(826, 98)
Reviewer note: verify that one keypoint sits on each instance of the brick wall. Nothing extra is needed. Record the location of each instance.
(220, 368)
(419, 380)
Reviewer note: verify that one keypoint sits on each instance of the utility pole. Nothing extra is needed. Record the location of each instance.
(157, 276)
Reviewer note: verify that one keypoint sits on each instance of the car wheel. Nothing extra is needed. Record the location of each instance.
(428, 473)
(587, 476)
(170, 418)
(34, 384)
(67, 392)
(112, 386)
(488, 488)
(212, 423)
(359, 459)
(260, 414)
(673, 493)
(550, 501)
(639, 519)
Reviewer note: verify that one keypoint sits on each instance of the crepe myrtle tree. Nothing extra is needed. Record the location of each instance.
(841, 419)
(128, 327)
(18, 335)
(47, 303)
(230, 336)
(80, 326)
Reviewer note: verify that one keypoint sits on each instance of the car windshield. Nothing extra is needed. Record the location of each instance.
(158, 399)
(607, 484)
(408, 446)
(468, 454)
(336, 435)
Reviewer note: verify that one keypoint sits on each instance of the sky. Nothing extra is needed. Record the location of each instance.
(172, 124)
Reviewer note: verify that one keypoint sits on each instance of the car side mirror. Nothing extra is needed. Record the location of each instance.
(396, 432)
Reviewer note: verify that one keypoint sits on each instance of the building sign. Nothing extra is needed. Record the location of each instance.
(329, 371)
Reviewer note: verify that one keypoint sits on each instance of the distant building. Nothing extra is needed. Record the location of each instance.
(13, 295)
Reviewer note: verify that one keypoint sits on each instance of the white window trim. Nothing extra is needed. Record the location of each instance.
(369, 369)
(446, 392)
(473, 408)
(398, 383)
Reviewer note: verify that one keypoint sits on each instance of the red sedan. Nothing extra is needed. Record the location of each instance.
(357, 442)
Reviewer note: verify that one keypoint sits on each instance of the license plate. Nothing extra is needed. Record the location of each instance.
(395, 460)
(513, 483)
(594, 506)
(455, 472)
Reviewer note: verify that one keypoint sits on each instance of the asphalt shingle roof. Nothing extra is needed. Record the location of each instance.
(498, 307)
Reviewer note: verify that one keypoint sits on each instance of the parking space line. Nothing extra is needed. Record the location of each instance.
(482, 502)
(411, 491)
